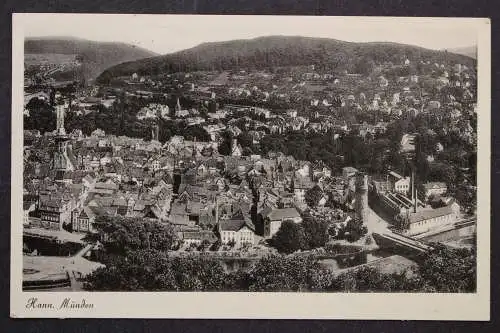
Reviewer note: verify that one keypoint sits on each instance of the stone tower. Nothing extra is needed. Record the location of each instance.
(361, 195)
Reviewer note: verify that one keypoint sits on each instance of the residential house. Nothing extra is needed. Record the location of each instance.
(84, 221)
(236, 149)
(300, 186)
(274, 217)
(55, 210)
(238, 229)
(399, 183)
(198, 237)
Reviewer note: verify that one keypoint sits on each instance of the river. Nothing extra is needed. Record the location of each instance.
(232, 264)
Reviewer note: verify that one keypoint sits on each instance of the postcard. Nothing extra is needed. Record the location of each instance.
(298, 167)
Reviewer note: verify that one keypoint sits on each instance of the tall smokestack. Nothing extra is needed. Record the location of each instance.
(216, 211)
(416, 196)
(413, 191)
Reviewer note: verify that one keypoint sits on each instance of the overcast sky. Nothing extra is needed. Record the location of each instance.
(170, 33)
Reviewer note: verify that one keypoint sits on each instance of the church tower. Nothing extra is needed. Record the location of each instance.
(61, 162)
(178, 105)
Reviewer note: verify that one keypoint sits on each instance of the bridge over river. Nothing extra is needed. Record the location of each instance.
(462, 230)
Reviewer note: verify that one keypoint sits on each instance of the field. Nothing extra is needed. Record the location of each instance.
(31, 59)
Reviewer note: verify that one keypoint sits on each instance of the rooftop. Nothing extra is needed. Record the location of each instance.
(281, 213)
(430, 214)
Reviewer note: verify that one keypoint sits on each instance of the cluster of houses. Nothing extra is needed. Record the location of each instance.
(236, 199)
(205, 197)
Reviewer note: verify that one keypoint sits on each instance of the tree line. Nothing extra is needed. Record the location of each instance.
(443, 270)
(136, 256)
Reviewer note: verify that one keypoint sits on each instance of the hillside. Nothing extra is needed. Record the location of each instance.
(273, 51)
(470, 51)
(94, 56)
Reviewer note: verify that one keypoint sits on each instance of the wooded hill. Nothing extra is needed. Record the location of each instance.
(272, 51)
(95, 56)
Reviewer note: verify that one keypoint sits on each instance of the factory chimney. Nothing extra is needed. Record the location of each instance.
(216, 211)
(413, 191)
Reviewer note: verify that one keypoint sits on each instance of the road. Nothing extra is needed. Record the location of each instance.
(375, 223)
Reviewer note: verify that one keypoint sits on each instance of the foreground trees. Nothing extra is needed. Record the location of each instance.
(442, 270)
(289, 238)
(122, 235)
(279, 273)
(450, 270)
(152, 270)
(136, 259)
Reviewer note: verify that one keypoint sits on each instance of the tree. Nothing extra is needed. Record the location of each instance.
(364, 65)
(196, 132)
(245, 140)
(121, 235)
(225, 144)
(141, 270)
(449, 270)
(205, 244)
(289, 238)
(41, 116)
(355, 230)
(197, 273)
(315, 232)
(153, 270)
(442, 172)
(369, 279)
(292, 273)
(215, 246)
(313, 196)
(238, 281)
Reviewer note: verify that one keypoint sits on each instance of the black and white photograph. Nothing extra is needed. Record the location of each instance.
(248, 156)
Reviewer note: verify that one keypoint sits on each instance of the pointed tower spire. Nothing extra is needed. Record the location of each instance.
(178, 105)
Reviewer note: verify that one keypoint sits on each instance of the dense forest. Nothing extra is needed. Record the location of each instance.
(273, 51)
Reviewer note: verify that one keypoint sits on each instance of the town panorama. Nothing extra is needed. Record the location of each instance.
(270, 164)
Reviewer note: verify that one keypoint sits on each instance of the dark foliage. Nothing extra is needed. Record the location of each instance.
(289, 238)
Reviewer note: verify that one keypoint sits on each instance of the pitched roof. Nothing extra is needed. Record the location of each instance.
(429, 214)
(395, 175)
(87, 213)
(104, 211)
(349, 169)
(237, 222)
(280, 213)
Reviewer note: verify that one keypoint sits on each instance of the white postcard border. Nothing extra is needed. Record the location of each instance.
(265, 305)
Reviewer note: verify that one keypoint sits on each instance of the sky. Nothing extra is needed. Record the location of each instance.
(169, 33)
